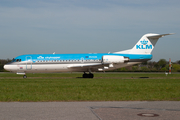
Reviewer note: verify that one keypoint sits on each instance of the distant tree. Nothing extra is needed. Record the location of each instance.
(176, 68)
(178, 62)
(135, 68)
(144, 69)
(144, 63)
(151, 64)
(166, 68)
(2, 62)
(1, 68)
(123, 69)
(162, 63)
(157, 66)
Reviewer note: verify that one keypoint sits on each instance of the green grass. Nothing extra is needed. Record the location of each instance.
(104, 87)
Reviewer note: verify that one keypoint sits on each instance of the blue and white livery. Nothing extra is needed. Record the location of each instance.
(36, 63)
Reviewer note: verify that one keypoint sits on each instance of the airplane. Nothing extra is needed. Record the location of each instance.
(90, 62)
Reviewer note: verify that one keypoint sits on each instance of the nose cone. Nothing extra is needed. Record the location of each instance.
(6, 67)
(10, 67)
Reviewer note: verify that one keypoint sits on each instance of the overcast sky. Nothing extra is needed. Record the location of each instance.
(87, 26)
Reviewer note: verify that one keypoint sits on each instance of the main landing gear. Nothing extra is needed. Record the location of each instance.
(90, 75)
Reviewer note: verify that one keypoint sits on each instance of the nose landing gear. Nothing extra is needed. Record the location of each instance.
(23, 73)
(90, 75)
(24, 76)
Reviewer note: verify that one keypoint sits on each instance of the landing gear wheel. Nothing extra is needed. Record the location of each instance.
(24, 76)
(85, 75)
(88, 75)
(91, 75)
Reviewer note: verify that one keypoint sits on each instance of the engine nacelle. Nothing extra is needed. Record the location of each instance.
(114, 59)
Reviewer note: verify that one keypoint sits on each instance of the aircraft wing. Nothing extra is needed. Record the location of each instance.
(95, 65)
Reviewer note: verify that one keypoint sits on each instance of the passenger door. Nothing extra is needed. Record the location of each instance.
(28, 62)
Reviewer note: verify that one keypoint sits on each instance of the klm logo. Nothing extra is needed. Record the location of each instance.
(144, 45)
(144, 42)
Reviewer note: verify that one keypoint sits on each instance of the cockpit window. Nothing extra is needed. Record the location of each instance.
(16, 60)
(13, 60)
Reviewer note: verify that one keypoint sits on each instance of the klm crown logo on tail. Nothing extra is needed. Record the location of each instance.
(144, 45)
(144, 42)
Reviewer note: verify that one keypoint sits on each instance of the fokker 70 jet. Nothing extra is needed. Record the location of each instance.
(46, 63)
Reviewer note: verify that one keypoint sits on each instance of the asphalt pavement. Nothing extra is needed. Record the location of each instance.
(117, 110)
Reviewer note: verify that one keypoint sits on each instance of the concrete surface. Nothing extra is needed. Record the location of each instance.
(130, 110)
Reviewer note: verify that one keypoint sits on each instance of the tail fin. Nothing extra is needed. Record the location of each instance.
(146, 44)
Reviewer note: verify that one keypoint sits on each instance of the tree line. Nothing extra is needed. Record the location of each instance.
(149, 66)
(2, 63)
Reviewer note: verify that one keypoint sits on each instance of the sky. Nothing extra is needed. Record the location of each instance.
(87, 26)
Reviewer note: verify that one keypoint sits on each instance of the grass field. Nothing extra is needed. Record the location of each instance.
(104, 87)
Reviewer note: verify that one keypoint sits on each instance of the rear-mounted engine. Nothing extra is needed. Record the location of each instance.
(114, 59)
